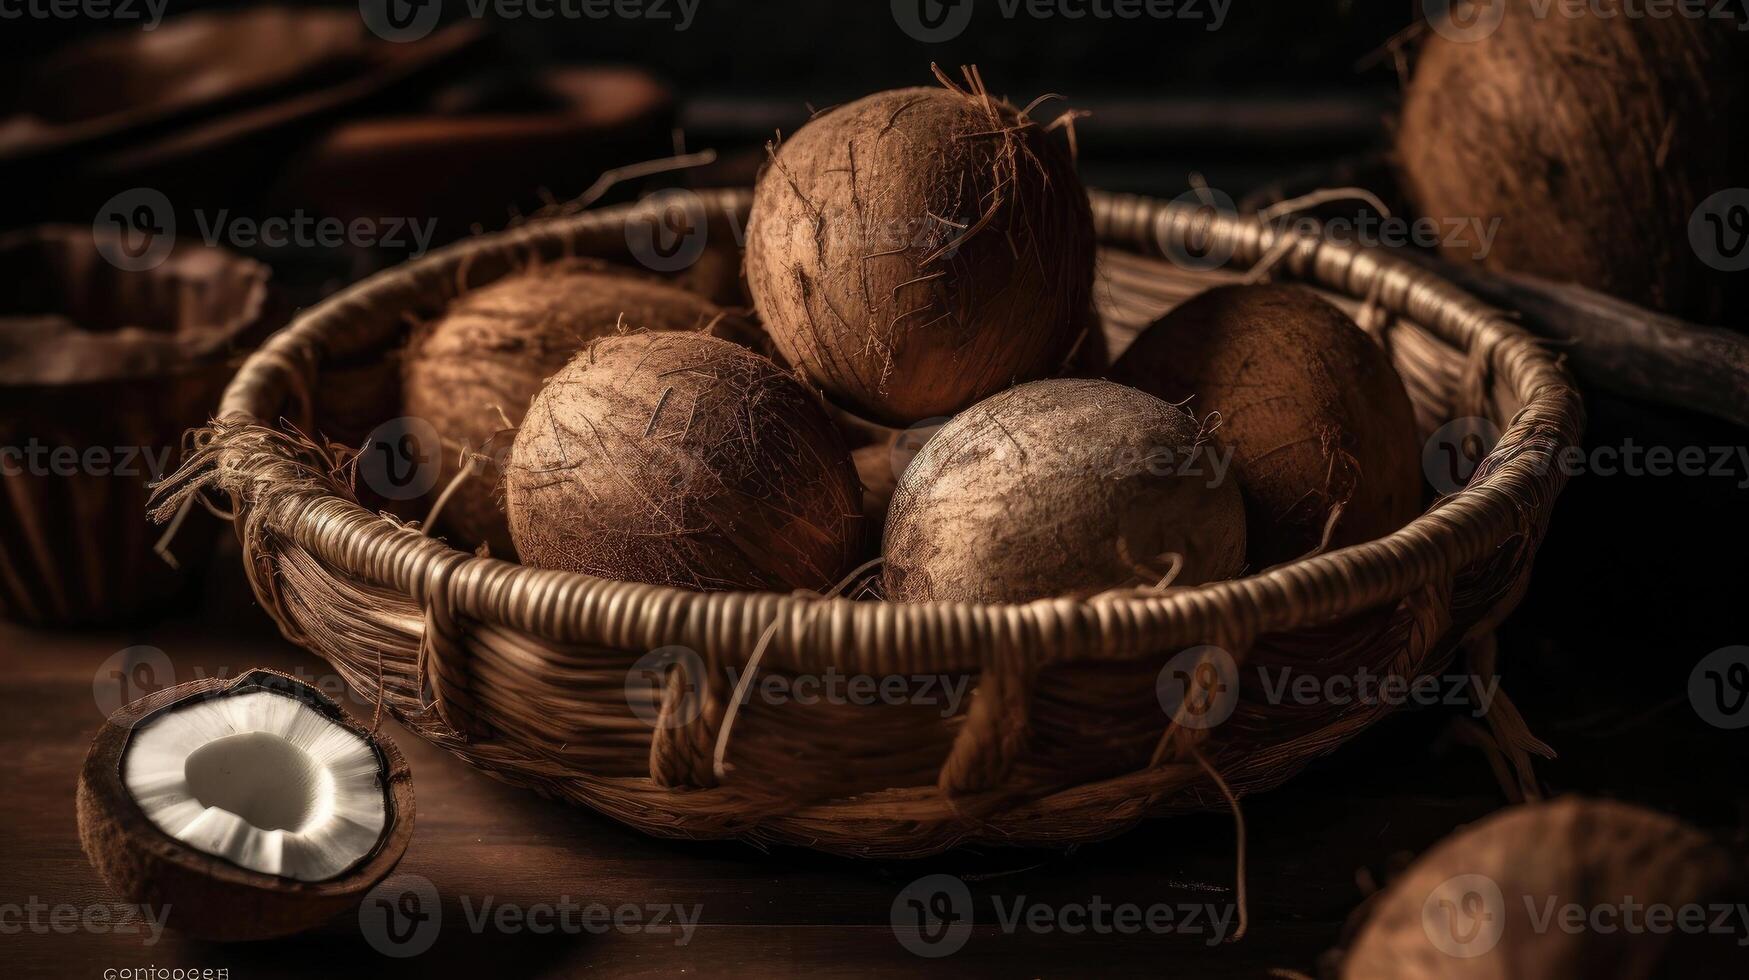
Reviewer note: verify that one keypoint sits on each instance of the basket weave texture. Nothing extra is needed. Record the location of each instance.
(536, 676)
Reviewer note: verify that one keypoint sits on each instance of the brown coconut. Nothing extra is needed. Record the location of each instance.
(919, 249)
(681, 459)
(1066, 487)
(1443, 918)
(476, 368)
(1593, 137)
(203, 895)
(1311, 408)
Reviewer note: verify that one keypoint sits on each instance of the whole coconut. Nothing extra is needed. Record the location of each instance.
(919, 249)
(1066, 487)
(477, 366)
(1593, 136)
(1492, 901)
(681, 459)
(1310, 407)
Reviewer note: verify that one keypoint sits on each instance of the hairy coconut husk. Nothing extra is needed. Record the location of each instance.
(1066, 487)
(1591, 854)
(681, 459)
(1593, 137)
(919, 249)
(1311, 408)
(473, 371)
(202, 895)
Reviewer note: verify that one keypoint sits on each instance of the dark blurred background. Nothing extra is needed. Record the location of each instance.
(1241, 92)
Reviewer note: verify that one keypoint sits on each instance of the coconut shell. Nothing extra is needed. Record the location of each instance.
(1589, 853)
(1310, 407)
(685, 460)
(482, 362)
(919, 249)
(1066, 487)
(1592, 138)
(205, 896)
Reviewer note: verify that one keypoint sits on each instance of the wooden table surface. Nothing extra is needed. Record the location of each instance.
(1315, 843)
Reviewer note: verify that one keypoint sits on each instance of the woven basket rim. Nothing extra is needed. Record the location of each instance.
(1461, 528)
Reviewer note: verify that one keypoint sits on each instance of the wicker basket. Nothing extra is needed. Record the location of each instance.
(524, 672)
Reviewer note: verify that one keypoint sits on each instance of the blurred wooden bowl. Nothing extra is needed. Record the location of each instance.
(485, 151)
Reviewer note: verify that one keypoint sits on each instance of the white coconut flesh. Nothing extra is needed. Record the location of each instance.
(261, 780)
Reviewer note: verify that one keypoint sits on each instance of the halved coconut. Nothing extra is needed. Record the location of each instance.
(243, 809)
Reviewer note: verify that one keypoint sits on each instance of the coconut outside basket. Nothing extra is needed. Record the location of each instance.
(537, 676)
